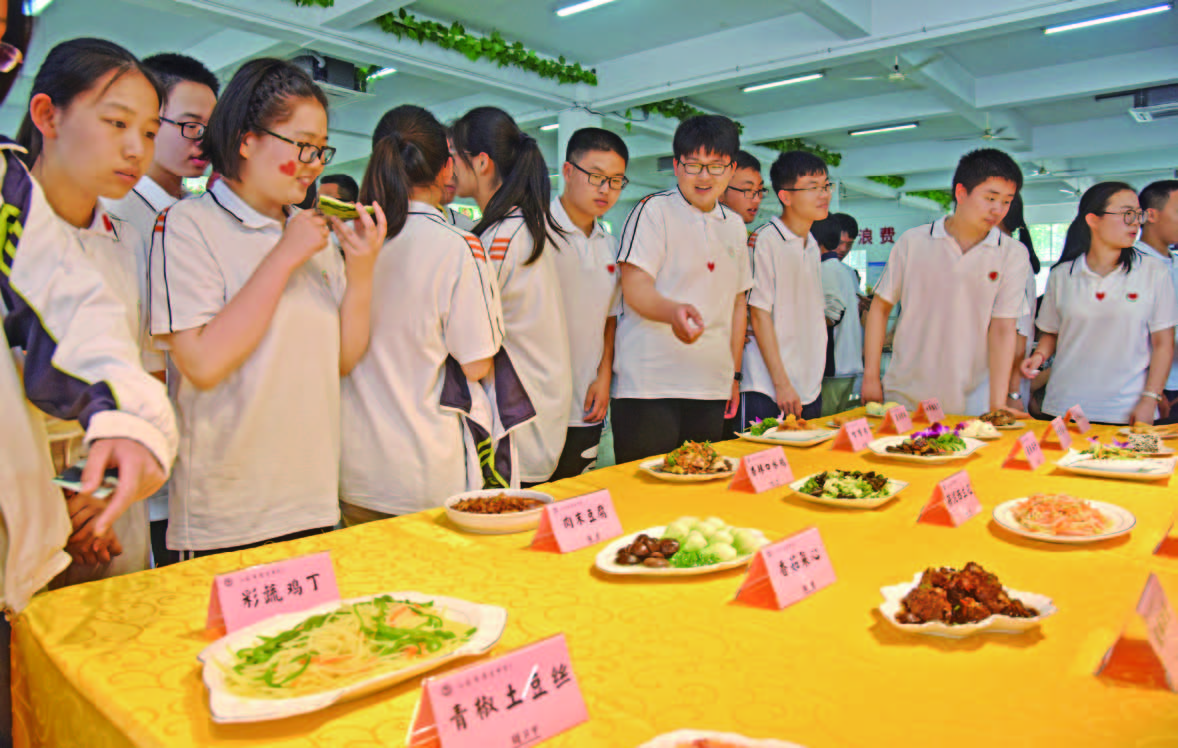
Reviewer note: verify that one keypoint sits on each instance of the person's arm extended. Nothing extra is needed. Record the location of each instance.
(1000, 339)
(1162, 355)
(1016, 374)
(766, 336)
(361, 247)
(873, 343)
(639, 291)
(208, 354)
(740, 324)
(597, 398)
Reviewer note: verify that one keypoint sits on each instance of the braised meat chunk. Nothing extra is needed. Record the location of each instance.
(960, 596)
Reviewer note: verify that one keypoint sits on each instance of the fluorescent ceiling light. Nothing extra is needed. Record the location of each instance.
(382, 73)
(889, 128)
(786, 82)
(37, 7)
(1108, 19)
(546, 128)
(569, 10)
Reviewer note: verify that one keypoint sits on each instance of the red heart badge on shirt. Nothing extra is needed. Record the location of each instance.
(993, 275)
(1132, 297)
(1100, 295)
(711, 266)
(611, 267)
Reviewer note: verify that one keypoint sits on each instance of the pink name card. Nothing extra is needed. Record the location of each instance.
(1063, 437)
(761, 471)
(577, 523)
(788, 571)
(1028, 446)
(243, 597)
(952, 503)
(930, 411)
(897, 421)
(853, 436)
(1076, 415)
(523, 698)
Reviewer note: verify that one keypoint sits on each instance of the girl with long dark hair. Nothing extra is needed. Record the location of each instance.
(1015, 226)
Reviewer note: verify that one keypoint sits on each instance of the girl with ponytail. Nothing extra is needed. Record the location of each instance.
(1108, 317)
(434, 317)
(502, 168)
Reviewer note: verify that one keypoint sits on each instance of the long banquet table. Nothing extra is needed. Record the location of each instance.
(113, 663)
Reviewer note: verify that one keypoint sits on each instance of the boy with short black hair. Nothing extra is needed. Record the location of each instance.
(684, 269)
(594, 174)
(747, 188)
(1159, 232)
(961, 282)
(340, 187)
(785, 361)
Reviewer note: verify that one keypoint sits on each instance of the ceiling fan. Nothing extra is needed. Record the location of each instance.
(897, 75)
(1043, 171)
(988, 134)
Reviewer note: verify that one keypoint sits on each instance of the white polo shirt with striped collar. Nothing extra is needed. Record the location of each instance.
(947, 299)
(259, 453)
(1171, 265)
(696, 258)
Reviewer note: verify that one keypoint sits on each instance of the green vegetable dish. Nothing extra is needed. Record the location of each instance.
(847, 484)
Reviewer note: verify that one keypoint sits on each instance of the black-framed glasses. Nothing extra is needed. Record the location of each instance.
(749, 192)
(188, 130)
(596, 180)
(816, 188)
(308, 152)
(715, 170)
(10, 57)
(1131, 217)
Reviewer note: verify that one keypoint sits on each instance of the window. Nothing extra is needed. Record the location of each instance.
(857, 258)
(1048, 240)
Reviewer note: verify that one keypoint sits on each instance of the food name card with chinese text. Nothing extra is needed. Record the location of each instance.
(787, 571)
(952, 503)
(1028, 446)
(761, 471)
(930, 411)
(247, 596)
(523, 698)
(1056, 435)
(577, 523)
(896, 421)
(854, 436)
(1156, 663)
(1076, 415)
(1169, 544)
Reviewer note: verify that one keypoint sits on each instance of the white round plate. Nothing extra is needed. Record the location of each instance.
(894, 594)
(1123, 522)
(807, 438)
(648, 467)
(1164, 433)
(1012, 426)
(879, 447)
(1150, 468)
(225, 706)
(605, 559)
(688, 737)
(894, 487)
(497, 524)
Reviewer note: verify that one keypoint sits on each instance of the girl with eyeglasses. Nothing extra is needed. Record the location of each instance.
(502, 168)
(1107, 316)
(262, 318)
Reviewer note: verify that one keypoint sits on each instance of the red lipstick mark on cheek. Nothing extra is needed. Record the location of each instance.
(288, 168)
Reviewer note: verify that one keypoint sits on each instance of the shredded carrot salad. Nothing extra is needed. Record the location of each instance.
(1060, 514)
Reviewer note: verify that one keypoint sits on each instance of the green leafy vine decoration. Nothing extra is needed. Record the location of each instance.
(895, 181)
(942, 197)
(832, 158)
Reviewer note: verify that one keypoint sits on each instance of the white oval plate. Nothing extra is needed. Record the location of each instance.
(1012, 426)
(227, 707)
(497, 524)
(605, 558)
(806, 438)
(894, 487)
(1170, 433)
(894, 594)
(879, 446)
(648, 467)
(1123, 522)
(1147, 469)
(686, 737)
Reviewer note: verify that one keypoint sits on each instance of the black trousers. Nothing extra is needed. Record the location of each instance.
(577, 439)
(188, 555)
(647, 428)
(759, 406)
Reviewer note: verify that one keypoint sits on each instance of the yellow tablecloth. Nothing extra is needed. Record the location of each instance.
(113, 663)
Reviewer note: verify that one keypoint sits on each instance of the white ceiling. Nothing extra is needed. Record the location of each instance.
(989, 62)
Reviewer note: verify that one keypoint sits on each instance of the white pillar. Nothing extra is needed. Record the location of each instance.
(836, 199)
(570, 120)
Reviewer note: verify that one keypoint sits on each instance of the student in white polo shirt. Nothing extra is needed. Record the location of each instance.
(685, 270)
(840, 288)
(1159, 232)
(78, 157)
(1108, 315)
(586, 262)
(251, 301)
(502, 168)
(784, 363)
(962, 284)
(432, 319)
(747, 188)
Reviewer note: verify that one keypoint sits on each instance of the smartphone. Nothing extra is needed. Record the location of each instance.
(71, 479)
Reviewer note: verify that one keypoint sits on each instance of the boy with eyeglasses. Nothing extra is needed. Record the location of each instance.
(785, 361)
(594, 174)
(962, 284)
(685, 270)
(1159, 232)
(747, 188)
